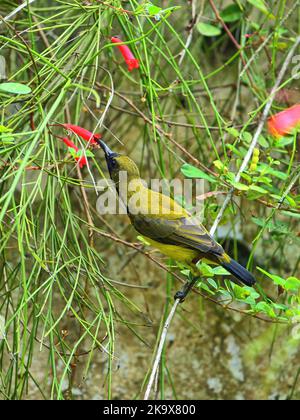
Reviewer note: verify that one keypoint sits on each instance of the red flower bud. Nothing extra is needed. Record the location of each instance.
(82, 132)
(284, 122)
(131, 61)
(82, 161)
(70, 144)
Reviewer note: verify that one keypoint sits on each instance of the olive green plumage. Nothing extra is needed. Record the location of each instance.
(166, 225)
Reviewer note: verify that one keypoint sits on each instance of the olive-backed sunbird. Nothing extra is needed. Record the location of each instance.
(166, 225)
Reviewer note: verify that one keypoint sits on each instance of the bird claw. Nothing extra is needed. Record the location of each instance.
(180, 295)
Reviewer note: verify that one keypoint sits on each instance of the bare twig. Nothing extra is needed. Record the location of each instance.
(194, 21)
(160, 349)
(217, 14)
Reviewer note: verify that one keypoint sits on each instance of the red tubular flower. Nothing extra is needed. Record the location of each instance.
(82, 161)
(82, 132)
(131, 61)
(284, 122)
(70, 144)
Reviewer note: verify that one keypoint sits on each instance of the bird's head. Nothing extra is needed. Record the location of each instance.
(117, 163)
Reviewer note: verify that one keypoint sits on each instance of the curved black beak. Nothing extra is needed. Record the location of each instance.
(109, 156)
(108, 153)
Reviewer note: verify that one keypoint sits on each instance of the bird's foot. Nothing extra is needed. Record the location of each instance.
(182, 294)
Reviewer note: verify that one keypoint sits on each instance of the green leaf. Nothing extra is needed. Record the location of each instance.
(220, 271)
(205, 287)
(276, 279)
(4, 129)
(262, 167)
(265, 308)
(260, 5)
(263, 142)
(220, 166)
(15, 88)
(208, 30)
(280, 306)
(290, 313)
(73, 152)
(292, 283)
(233, 132)
(247, 177)
(247, 137)
(206, 270)
(185, 272)
(288, 200)
(256, 192)
(239, 186)
(234, 150)
(253, 293)
(86, 153)
(231, 13)
(240, 293)
(225, 294)
(213, 283)
(291, 201)
(285, 141)
(191, 172)
(153, 10)
(291, 214)
(263, 180)
(258, 189)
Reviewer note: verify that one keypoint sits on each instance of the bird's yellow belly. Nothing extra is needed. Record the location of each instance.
(176, 252)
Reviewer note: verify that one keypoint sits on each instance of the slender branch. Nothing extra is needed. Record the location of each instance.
(160, 349)
(217, 14)
(288, 190)
(194, 21)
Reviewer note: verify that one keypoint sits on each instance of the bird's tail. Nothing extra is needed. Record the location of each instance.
(238, 271)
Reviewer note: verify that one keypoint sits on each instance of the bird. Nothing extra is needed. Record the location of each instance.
(166, 225)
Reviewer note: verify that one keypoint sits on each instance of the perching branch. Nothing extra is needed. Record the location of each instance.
(160, 348)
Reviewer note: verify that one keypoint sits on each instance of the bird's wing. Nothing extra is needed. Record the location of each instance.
(186, 231)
